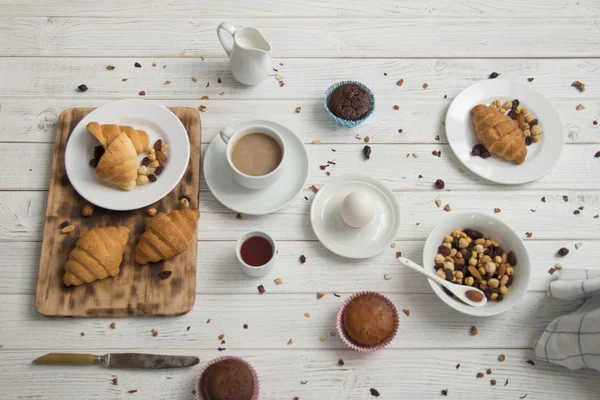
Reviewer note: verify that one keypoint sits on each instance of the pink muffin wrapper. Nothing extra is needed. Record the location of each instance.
(216, 360)
(349, 341)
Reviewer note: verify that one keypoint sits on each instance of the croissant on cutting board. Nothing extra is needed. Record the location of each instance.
(97, 255)
(118, 164)
(499, 134)
(166, 235)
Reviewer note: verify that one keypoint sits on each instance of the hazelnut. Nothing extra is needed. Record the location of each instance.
(87, 210)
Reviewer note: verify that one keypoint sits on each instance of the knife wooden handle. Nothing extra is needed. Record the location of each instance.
(65, 358)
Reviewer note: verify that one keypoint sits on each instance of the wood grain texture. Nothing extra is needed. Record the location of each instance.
(291, 8)
(218, 272)
(300, 37)
(21, 214)
(34, 120)
(136, 290)
(396, 374)
(275, 318)
(304, 78)
(27, 167)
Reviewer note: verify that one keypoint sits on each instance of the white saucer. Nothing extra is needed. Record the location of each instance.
(541, 156)
(158, 122)
(219, 175)
(341, 238)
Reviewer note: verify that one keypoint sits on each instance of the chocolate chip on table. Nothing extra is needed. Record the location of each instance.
(110, 67)
(595, 122)
(439, 184)
(444, 392)
(304, 382)
(341, 362)
(493, 382)
(506, 383)
(164, 274)
(494, 75)
(576, 212)
(374, 392)
(531, 362)
(530, 79)
(221, 348)
(142, 93)
(579, 85)
(597, 155)
(489, 371)
(367, 152)
(565, 198)
(82, 88)
(132, 391)
(458, 366)
(137, 65)
(480, 374)
(115, 381)
(543, 199)
(522, 397)
(245, 326)
(563, 251)
(501, 357)
(474, 331)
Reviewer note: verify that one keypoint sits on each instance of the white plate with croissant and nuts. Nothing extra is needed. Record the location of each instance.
(127, 154)
(503, 131)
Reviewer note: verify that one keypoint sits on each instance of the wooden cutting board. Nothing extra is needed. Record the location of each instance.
(137, 290)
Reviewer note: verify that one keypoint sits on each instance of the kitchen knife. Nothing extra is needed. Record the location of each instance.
(120, 360)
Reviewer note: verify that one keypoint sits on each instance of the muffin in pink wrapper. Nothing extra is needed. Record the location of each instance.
(227, 377)
(367, 321)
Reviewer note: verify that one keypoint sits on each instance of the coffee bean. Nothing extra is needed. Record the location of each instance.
(82, 88)
(563, 251)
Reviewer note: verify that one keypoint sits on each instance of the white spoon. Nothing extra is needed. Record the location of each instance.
(460, 291)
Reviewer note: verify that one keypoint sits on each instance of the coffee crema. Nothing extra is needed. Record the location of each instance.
(256, 154)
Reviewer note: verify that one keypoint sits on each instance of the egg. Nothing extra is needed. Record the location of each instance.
(357, 209)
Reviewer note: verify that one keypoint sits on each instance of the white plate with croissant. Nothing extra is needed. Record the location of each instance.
(126, 131)
(504, 135)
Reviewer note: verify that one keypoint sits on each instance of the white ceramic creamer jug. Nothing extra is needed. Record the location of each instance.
(250, 55)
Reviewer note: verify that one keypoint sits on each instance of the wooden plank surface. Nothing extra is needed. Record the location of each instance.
(34, 120)
(431, 324)
(412, 374)
(301, 37)
(26, 167)
(21, 214)
(307, 8)
(59, 77)
(323, 271)
(137, 289)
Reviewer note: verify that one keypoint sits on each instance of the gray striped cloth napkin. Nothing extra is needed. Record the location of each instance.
(573, 340)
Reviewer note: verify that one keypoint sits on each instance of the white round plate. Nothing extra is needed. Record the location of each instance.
(219, 175)
(340, 238)
(461, 135)
(158, 122)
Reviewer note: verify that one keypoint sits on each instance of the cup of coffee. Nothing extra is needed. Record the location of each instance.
(256, 154)
(256, 253)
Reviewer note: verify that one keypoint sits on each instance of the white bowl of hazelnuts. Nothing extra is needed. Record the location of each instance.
(482, 251)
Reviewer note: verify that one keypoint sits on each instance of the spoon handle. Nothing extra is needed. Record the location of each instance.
(418, 268)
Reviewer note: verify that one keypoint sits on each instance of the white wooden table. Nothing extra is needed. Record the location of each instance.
(48, 48)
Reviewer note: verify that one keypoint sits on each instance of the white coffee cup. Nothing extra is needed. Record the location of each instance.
(255, 272)
(230, 137)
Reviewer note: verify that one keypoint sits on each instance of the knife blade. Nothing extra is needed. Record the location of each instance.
(120, 360)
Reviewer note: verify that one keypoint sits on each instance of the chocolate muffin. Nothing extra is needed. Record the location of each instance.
(229, 379)
(369, 319)
(350, 102)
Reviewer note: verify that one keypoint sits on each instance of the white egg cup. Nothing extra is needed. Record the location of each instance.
(255, 272)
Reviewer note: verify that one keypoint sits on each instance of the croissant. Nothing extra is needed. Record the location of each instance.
(109, 132)
(97, 255)
(499, 134)
(118, 164)
(166, 235)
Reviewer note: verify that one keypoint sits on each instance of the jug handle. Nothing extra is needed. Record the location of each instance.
(231, 30)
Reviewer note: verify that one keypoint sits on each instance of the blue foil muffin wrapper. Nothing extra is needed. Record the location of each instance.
(345, 122)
